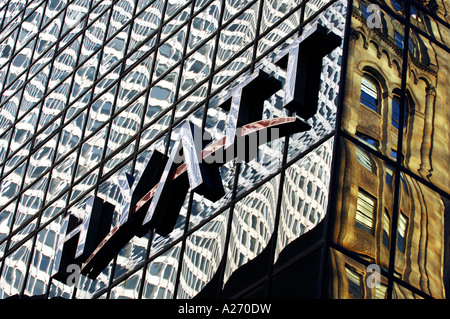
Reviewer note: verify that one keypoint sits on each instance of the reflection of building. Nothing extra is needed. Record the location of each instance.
(89, 88)
(376, 221)
(377, 73)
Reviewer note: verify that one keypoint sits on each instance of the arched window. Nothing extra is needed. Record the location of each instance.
(370, 92)
(397, 5)
(396, 110)
(364, 158)
(399, 39)
(369, 141)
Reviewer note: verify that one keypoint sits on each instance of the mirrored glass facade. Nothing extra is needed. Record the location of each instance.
(392, 198)
(90, 88)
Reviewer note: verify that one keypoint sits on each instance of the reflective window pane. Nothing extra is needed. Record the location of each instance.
(353, 280)
(161, 274)
(425, 139)
(365, 204)
(252, 226)
(202, 256)
(421, 219)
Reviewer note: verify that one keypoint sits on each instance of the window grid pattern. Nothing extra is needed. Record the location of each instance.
(89, 88)
(397, 228)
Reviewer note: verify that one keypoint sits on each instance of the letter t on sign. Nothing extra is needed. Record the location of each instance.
(303, 63)
(245, 102)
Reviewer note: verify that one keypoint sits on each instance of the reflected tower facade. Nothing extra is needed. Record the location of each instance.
(393, 185)
(90, 88)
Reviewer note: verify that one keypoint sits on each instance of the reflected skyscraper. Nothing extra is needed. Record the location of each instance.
(90, 88)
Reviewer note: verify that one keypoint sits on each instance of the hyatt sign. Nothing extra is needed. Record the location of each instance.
(153, 200)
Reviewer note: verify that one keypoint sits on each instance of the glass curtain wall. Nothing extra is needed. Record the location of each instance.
(89, 88)
(392, 180)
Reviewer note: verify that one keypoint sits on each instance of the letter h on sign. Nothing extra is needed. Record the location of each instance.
(84, 238)
(154, 199)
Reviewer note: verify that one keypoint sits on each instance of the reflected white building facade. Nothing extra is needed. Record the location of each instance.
(89, 88)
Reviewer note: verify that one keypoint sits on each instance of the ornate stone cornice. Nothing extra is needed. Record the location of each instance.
(374, 32)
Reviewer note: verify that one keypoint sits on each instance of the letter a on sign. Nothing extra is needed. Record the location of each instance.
(203, 178)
